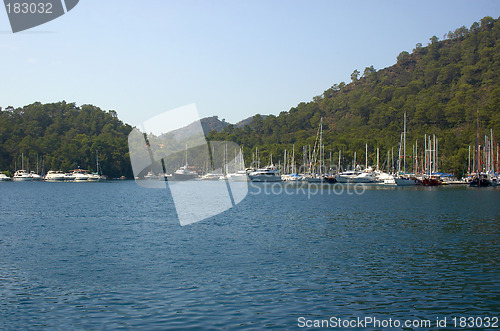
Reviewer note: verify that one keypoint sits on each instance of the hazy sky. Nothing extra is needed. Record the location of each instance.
(231, 58)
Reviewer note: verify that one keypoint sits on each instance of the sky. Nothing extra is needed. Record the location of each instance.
(231, 58)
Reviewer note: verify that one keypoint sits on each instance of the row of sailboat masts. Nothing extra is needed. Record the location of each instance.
(27, 164)
(431, 154)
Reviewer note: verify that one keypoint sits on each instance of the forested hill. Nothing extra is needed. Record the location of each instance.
(440, 87)
(63, 136)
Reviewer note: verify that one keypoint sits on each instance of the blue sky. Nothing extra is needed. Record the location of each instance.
(231, 58)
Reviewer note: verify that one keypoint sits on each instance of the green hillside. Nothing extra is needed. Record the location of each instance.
(440, 87)
(62, 136)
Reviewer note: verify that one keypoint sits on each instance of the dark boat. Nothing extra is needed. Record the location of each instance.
(480, 180)
(431, 181)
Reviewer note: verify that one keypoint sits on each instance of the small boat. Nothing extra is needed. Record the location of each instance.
(22, 176)
(55, 176)
(211, 176)
(268, 174)
(151, 175)
(4, 177)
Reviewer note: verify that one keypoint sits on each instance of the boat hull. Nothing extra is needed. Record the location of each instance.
(406, 181)
(264, 178)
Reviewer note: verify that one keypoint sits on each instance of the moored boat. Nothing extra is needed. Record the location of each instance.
(55, 176)
(22, 176)
(268, 174)
(183, 174)
(480, 180)
(4, 177)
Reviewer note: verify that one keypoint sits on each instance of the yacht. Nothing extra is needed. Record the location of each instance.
(35, 176)
(69, 176)
(268, 174)
(239, 176)
(4, 177)
(94, 177)
(55, 176)
(22, 175)
(406, 180)
(80, 175)
(354, 177)
(183, 174)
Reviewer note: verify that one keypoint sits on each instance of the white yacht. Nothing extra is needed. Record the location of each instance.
(94, 177)
(80, 175)
(356, 177)
(35, 176)
(22, 175)
(4, 177)
(239, 176)
(268, 174)
(55, 176)
(183, 173)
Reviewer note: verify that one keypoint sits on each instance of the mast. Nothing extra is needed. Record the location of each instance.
(366, 156)
(425, 149)
(468, 162)
(339, 170)
(492, 162)
(477, 144)
(404, 145)
(416, 157)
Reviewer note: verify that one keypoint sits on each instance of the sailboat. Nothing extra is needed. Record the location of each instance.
(183, 173)
(403, 178)
(479, 179)
(96, 176)
(316, 175)
(22, 175)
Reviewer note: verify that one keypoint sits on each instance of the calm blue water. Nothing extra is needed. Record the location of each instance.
(113, 255)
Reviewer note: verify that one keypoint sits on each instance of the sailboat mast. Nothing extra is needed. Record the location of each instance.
(366, 156)
(404, 145)
(339, 170)
(477, 144)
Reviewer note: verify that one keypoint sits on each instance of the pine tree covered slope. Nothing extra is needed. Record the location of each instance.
(440, 87)
(63, 136)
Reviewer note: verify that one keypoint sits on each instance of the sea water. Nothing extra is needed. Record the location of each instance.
(113, 255)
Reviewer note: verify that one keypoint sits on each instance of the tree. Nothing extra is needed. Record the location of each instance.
(355, 75)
